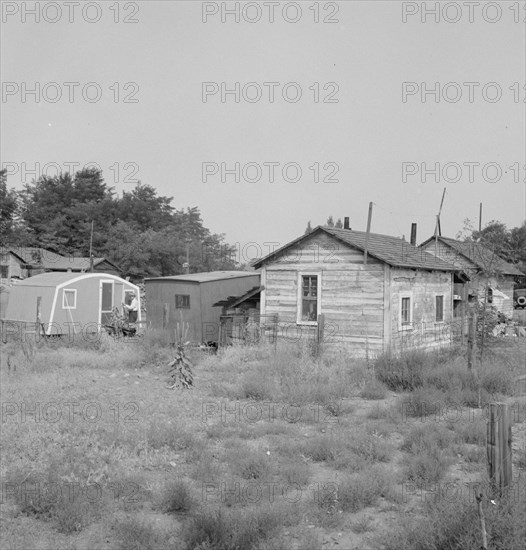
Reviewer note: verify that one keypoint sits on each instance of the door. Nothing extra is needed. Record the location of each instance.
(106, 302)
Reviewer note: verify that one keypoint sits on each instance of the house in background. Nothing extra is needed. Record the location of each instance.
(484, 268)
(23, 262)
(70, 302)
(377, 293)
(191, 298)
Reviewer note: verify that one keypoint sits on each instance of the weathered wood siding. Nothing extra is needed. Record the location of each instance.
(351, 293)
(422, 287)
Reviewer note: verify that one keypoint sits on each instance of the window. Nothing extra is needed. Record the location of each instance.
(490, 295)
(439, 308)
(405, 312)
(69, 298)
(309, 299)
(182, 301)
(4, 271)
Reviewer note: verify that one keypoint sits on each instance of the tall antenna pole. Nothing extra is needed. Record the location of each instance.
(369, 216)
(438, 229)
(480, 218)
(91, 249)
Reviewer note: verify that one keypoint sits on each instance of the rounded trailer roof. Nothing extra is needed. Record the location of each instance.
(54, 279)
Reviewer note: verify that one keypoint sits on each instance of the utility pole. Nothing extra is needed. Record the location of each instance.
(480, 218)
(188, 241)
(91, 249)
(438, 229)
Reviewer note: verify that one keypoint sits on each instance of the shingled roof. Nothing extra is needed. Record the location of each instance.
(480, 255)
(392, 250)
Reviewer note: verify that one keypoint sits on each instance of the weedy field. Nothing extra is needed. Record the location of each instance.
(271, 449)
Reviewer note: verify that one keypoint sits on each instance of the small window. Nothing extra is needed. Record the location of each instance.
(69, 299)
(405, 311)
(490, 295)
(4, 271)
(439, 303)
(309, 298)
(182, 301)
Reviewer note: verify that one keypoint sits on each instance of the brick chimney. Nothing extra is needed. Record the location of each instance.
(346, 223)
(413, 234)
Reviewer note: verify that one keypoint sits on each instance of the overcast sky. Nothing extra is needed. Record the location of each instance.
(355, 122)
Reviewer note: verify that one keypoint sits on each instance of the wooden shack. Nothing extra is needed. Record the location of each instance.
(375, 292)
(191, 298)
(486, 270)
(69, 302)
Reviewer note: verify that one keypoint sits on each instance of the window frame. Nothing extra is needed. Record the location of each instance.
(74, 290)
(299, 299)
(182, 296)
(437, 296)
(408, 325)
(6, 267)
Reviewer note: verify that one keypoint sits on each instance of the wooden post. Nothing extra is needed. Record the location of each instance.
(166, 311)
(499, 447)
(38, 319)
(320, 332)
(482, 522)
(471, 337)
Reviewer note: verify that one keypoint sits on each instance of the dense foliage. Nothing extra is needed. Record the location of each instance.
(141, 231)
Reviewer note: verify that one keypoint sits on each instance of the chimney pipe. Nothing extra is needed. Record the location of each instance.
(346, 223)
(413, 234)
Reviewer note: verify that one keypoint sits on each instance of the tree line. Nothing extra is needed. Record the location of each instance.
(140, 231)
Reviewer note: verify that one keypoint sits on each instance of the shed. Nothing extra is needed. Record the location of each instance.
(395, 296)
(71, 302)
(485, 269)
(191, 298)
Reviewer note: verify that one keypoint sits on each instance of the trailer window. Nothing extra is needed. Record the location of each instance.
(69, 298)
(182, 301)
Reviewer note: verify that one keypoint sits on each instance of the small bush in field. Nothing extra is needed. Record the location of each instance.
(403, 372)
(320, 448)
(361, 490)
(427, 437)
(428, 466)
(219, 530)
(373, 390)
(421, 402)
(136, 534)
(247, 463)
(177, 498)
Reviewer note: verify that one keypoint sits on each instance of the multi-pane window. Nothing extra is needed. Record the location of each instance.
(439, 308)
(4, 271)
(309, 297)
(405, 311)
(182, 301)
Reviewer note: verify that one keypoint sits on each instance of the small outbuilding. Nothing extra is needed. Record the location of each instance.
(191, 299)
(69, 302)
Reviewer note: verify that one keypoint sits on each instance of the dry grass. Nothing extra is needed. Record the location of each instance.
(155, 452)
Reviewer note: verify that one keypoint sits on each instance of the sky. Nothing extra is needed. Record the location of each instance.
(353, 118)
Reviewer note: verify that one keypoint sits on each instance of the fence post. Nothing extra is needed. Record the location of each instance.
(320, 329)
(38, 319)
(472, 323)
(166, 310)
(499, 447)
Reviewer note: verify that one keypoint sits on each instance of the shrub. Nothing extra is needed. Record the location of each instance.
(220, 530)
(177, 498)
(359, 491)
(373, 390)
(403, 372)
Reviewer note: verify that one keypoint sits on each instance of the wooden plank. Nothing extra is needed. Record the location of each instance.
(499, 448)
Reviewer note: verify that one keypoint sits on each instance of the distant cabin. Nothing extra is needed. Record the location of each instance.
(486, 270)
(70, 302)
(191, 298)
(393, 297)
(23, 262)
